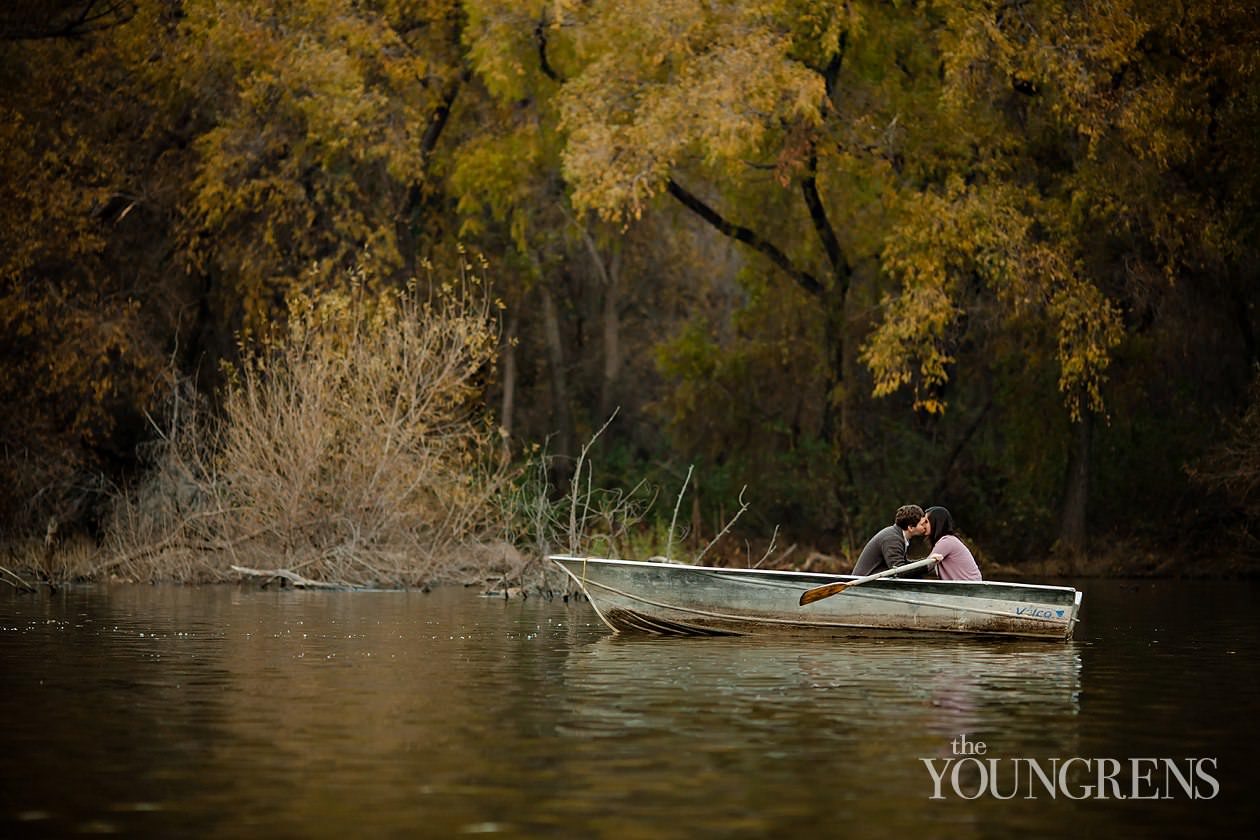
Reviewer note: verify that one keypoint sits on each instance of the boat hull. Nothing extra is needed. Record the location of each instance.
(672, 599)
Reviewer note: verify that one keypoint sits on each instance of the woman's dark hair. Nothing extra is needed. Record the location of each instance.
(942, 523)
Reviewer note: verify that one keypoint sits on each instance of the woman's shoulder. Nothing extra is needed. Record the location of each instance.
(949, 541)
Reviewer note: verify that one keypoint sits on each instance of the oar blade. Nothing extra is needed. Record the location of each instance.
(809, 596)
(829, 589)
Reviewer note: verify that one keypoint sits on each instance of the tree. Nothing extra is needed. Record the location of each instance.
(315, 128)
(805, 132)
(1093, 191)
(78, 361)
(697, 94)
(566, 268)
(174, 170)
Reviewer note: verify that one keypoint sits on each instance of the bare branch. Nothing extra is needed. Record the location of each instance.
(743, 506)
(769, 548)
(669, 543)
(89, 17)
(21, 585)
(574, 483)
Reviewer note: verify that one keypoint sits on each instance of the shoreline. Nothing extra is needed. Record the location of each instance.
(29, 567)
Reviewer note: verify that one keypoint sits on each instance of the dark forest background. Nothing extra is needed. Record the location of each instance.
(998, 255)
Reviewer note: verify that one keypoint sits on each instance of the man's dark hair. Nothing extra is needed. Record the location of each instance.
(908, 516)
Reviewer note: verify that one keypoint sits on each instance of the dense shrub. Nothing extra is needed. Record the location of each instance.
(351, 448)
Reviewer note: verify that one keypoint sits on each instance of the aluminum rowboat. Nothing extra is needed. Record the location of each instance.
(674, 599)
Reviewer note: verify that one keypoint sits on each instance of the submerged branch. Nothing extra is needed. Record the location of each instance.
(293, 578)
(21, 585)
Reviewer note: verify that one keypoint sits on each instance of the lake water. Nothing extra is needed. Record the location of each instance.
(229, 712)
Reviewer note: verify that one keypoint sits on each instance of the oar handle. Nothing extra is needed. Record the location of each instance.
(809, 596)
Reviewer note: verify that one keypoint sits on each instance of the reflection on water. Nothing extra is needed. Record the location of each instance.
(154, 711)
(793, 727)
(938, 689)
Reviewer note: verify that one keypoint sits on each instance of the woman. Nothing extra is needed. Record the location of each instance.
(956, 562)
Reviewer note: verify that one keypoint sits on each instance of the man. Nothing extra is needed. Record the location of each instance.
(887, 549)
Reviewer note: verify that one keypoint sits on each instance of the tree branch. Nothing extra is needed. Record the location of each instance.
(669, 542)
(429, 140)
(540, 35)
(20, 586)
(954, 453)
(440, 116)
(822, 225)
(92, 16)
(742, 234)
(831, 73)
(743, 506)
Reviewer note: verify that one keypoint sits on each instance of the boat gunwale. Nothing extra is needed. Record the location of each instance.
(818, 577)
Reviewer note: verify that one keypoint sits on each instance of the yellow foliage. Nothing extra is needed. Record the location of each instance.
(319, 109)
(500, 37)
(694, 84)
(986, 233)
(1084, 119)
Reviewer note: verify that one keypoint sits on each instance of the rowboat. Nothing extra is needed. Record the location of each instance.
(675, 599)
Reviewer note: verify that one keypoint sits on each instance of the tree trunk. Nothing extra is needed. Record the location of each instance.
(509, 373)
(836, 333)
(1072, 527)
(609, 274)
(612, 338)
(563, 424)
(835, 400)
(1242, 312)
(695, 516)
(947, 468)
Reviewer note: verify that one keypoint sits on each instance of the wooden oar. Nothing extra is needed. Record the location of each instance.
(809, 596)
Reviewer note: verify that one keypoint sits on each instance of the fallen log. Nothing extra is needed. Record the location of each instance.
(293, 578)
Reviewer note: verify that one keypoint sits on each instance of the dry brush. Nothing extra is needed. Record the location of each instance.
(351, 448)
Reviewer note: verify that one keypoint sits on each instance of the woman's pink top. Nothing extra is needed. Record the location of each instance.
(957, 562)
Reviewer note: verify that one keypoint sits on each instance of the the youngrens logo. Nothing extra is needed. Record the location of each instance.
(970, 774)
